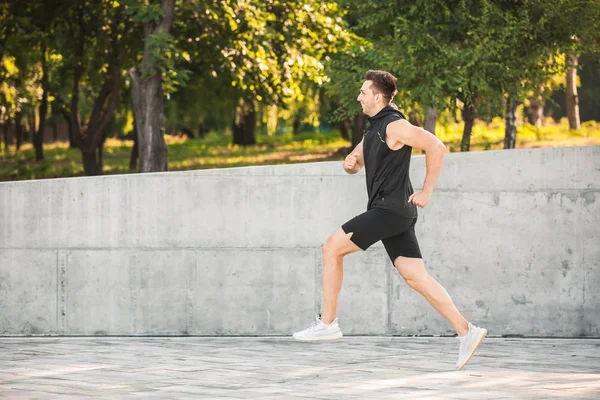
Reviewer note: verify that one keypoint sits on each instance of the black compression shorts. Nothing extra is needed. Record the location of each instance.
(397, 233)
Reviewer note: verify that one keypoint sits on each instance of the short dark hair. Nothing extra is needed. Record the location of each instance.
(383, 82)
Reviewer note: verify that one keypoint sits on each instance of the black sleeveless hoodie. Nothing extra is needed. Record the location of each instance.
(388, 181)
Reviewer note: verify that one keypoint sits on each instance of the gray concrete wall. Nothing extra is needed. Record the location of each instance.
(513, 235)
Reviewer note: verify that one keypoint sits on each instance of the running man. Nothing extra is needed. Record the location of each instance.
(391, 214)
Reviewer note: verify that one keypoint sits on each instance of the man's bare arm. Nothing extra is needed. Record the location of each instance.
(355, 160)
(404, 132)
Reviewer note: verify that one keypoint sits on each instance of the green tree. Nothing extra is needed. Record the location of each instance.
(29, 25)
(472, 50)
(580, 34)
(148, 89)
(534, 38)
(96, 45)
(265, 50)
(431, 46)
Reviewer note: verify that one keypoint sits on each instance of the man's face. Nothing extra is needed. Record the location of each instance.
(367, 99)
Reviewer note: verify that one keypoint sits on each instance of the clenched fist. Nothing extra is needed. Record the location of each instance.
(420, 198)
(351, 163)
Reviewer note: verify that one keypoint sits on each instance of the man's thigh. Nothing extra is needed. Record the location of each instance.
(340, 243)
(404, 244)
(373, 226)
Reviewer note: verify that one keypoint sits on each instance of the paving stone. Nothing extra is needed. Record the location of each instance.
(281, 368)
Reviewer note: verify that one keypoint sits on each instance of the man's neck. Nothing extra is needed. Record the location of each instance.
(377, 110)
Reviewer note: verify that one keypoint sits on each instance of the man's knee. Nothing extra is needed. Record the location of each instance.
(414, 274)
(334, 245)
(416, 283)
(331, 247)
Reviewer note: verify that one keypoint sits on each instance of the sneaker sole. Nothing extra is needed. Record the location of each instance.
(335, 336)
(478, 341)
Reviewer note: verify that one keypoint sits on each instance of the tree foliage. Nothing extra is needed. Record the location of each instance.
(235, 64)
(474, 51)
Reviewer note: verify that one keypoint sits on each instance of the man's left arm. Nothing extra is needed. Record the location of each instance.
(404, 132)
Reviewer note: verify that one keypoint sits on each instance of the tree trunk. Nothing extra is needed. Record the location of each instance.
(468, 115)
(54, 129)
(134, 155)
(30, 134)
(345, 129)
(38, 140)
(75, 122)
(18, 129)
(135, 150)
(102, 114)
(148, 104)
(148, 100)
(90, 163)
(572, 97)
(236, 130)
(67, 117)
(358, 129)
(296, 124)
(535, 112)
(100, 158)
(510, 135)
(250, 127)
(430, 119)
(414, 117)
(92, 157)
(5, 134)
(244, 123)
(104, 106)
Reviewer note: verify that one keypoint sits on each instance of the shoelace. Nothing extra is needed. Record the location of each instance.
(313, 325)
(459, 340)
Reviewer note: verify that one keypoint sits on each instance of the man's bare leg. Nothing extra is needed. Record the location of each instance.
(416, 276)
(335, 248)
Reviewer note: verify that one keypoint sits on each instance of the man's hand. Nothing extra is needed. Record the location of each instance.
(420, 198)
(351, 163)
(354, 161)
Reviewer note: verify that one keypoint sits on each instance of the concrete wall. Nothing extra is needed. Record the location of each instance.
(513, 235)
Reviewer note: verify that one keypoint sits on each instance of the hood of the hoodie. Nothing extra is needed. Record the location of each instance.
(385, 111)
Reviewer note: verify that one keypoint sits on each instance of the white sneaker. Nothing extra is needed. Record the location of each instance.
(468, 344)
(320, 331)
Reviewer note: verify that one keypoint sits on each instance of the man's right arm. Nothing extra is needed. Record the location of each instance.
(355, 160)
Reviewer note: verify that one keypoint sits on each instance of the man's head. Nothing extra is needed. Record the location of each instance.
(377, 92)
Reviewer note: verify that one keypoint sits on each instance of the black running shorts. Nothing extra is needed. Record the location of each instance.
(397, 233)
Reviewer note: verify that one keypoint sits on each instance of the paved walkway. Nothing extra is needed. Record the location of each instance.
(280, 368)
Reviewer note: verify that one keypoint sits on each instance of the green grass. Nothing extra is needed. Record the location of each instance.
(491, 136)
(214, 150)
